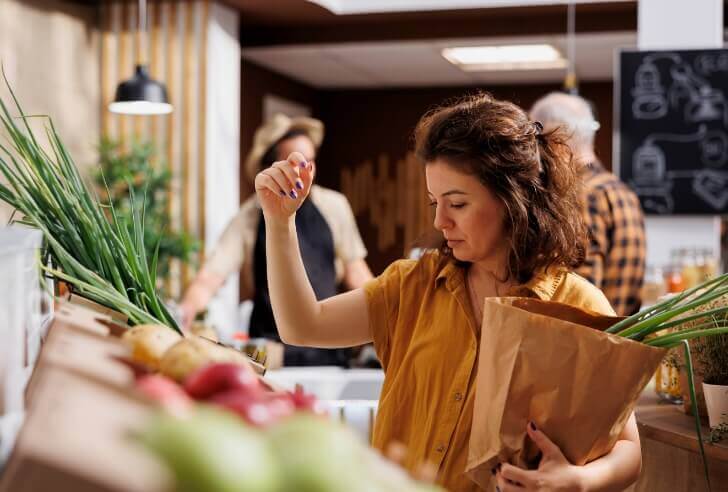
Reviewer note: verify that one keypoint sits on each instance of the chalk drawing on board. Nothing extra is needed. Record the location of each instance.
(702, 101)
(714, 148)
(654, 183)
(712, 187)
(652, 100)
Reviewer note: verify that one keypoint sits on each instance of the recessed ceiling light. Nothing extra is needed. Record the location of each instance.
(507, 57)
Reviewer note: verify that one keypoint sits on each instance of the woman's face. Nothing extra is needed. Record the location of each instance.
(299, 143)
(466, 212)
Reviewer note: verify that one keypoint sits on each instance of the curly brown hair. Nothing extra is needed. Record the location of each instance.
(528, 170)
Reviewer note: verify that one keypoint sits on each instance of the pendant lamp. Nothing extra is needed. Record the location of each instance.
(571, 83)
(141, 95)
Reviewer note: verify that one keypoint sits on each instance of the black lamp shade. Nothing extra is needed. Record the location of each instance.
(141, 95)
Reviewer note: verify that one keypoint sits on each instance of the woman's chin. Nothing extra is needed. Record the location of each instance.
(461, 255)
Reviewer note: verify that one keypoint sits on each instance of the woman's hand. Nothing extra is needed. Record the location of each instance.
(283, 187)
(554, 472)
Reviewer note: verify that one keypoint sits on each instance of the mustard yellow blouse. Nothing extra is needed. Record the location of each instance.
(427, 339)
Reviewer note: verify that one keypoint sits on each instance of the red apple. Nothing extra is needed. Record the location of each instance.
(221, 377)
(259, 410)
(164, 391)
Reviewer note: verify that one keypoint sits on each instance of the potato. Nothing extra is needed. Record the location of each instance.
(193, 352)
(149, 343)
(203, 330)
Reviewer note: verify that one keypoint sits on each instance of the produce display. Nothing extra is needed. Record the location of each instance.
(225, 430)
(222, 427)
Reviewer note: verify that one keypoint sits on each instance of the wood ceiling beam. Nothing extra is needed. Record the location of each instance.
(493, 22)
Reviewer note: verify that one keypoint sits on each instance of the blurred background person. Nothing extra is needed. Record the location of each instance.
(616, 254)
(331, 247)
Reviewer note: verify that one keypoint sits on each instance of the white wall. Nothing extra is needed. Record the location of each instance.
(222, 192)
(663, 24)
(50, 52)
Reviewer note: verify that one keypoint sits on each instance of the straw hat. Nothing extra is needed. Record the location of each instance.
(272, 131)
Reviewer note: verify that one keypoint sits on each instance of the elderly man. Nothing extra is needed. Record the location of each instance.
(616, 255)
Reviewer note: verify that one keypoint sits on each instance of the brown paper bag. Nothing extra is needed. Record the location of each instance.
(550, 363)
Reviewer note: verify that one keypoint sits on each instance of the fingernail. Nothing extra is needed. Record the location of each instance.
(497, 489)
(303, 164)
(299, 184)
(532, 425)
(283, 193)
(293, 194)
(498, 467)
(492, 470)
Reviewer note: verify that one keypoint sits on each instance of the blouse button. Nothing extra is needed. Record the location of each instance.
(458, 396)
(440, 448)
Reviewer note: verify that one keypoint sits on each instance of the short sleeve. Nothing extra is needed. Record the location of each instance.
(229, 253)
(383, 300)
(351, 245)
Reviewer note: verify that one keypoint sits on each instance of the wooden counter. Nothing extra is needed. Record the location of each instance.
(670, 455)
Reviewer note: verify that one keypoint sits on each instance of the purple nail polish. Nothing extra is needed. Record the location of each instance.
(293, 194)
(303, 164)
(299, 184)
(532, 425)
(283, 193)
(497, 489)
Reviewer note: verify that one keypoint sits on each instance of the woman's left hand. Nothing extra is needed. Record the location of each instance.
(554, 472)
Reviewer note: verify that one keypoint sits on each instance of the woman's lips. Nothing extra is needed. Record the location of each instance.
(453, 242)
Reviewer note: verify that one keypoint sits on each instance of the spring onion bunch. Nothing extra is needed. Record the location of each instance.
(682, 310)
(694, 313)
(99, 256)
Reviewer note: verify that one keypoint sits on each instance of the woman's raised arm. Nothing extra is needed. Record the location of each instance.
(339, 321)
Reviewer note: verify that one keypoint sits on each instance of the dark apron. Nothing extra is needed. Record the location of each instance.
(317, 250)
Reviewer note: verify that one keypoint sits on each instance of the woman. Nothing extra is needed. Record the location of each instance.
(505, 200)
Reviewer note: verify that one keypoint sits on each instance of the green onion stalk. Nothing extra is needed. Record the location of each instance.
(97, 253)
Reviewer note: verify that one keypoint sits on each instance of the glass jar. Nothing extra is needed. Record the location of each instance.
(673, 279)
(707, 264)
(667, 382)
(654, 285)
(691, 272)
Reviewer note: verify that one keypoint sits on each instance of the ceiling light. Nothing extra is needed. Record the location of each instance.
(141, 95)
(511, 57)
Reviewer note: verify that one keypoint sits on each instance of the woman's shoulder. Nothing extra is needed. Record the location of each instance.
(427, 266)
(577, 291)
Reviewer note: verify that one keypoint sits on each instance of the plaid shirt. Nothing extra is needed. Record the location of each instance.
(616, 255)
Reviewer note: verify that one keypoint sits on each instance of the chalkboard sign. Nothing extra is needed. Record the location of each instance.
(673, 129)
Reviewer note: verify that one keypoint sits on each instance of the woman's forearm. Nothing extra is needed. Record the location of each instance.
(291, 295)
(621, 467)
(615, 471)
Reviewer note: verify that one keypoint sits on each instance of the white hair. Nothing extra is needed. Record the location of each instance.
(570, 113)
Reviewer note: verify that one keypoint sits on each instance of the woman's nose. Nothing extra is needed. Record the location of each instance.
(442, 221)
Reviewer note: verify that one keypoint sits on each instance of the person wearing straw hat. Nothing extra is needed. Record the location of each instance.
(331, 247)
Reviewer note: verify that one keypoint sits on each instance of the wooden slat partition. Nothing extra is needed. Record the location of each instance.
(393, 199)
(175, 54)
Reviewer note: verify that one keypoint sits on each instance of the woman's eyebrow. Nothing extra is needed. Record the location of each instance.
(450, 192)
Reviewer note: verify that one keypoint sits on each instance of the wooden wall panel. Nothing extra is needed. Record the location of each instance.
(175, 54)
(367, 155)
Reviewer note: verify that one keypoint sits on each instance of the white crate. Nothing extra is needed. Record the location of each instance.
(20, 327)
